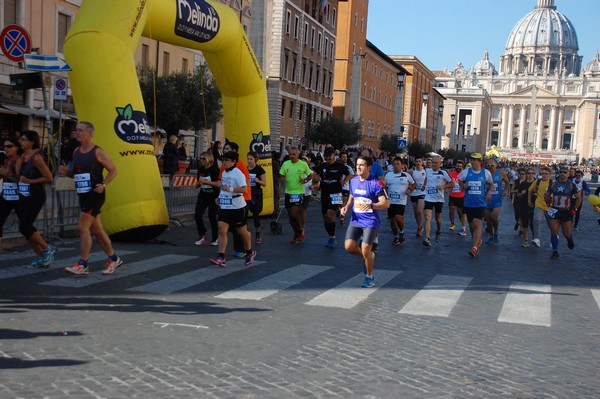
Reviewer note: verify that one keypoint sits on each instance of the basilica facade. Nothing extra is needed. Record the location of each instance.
(542, 104)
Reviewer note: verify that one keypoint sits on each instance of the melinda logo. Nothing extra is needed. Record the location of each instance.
(131, 126)
(196, 20)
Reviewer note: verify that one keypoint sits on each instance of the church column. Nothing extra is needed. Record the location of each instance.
(522, 122)
(574, 136)
(552, 132)
(540, 128)
(504, 122)
(511, 123)
(559, 128)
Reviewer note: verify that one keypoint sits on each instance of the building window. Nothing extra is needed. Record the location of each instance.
(64, 23)
(333, 15)
(312, 38)
(319, 41)
(294, 68)
(303, 72)
(184, 65)
(362, 24)
(145, 55)
(306, 33)
(166, 62)
(300, 112)
(332, 50)
(288, 22)
(10, 12)
(291, 110)
(356, 20)
(310, 75)
(286, 61)
(296, 27)
(283, 107)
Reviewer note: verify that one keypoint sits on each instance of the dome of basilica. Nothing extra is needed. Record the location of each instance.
(593, 67)
(543, 41)
(485, 67)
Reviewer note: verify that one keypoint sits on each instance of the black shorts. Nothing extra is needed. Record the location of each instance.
(91, 203)
(327, 205)
(562, 215)
(306, 201)
(456, 201)
(233, 217)
(396, 209)
(437, 205)
(293, 200)
(355, 232)
(415, 198)
(474, 213)
(345, 193)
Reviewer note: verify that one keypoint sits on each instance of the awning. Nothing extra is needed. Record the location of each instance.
(28, 111)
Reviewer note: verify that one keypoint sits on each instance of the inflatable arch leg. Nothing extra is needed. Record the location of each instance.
(100, 47)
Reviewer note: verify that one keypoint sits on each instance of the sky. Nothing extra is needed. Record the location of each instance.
(441, 33)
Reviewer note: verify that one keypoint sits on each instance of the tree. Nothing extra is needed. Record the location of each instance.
(183, 100)
(416, 149)
(389, 144)
(335, 131)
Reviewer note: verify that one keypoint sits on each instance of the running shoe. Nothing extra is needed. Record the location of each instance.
(575, 228)
(294, 240)
(473, 252)
(368, 282)
(490, 240)
(555, 255)
(525, 244)
(36, 263)
(438, 235)
(240, 255)
(427, 242)
(402, 238)
(419, 231)
(570, 244)
(301, 237)
(215, 243)
(452, 227)
(250, 259)
(462, 233)
(77, 270)
(332, 243)
(219, 261)
(258, 238)
(111, 266)
(496, 240)
(47, 256)
(396, 241)
(536, 242)
(202, 241)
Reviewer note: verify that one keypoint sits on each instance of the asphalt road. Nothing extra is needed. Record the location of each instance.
(510, 324)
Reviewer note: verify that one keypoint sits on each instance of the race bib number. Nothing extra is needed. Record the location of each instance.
(296, 198)
(83, 183)
(24, 189)
(552, 212)
(358, 201)
(432, 191)
(253, 179)
(395, 198)
(206, 186)
(226, 203)
(10, 191)
(456, 188)
(336, 199)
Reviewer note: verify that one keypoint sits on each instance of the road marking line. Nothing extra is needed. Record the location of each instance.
(438, 297)
(127, 269)
(189, 279)
(527, 303)
(17, 271)
(349, 293)
(29, 254)
(596, 294)
(163, 325)
(274, 283)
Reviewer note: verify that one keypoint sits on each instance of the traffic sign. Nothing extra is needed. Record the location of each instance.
(401, 144)
(60, 89)
(15, 42)
(45, 63)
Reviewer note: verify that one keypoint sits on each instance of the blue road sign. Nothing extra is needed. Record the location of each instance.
(45, 63)
(401, 144)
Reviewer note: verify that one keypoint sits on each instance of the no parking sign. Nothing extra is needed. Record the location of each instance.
(60, 89)
(15, 42)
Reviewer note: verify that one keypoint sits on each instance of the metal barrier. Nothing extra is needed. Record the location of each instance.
(180, 195)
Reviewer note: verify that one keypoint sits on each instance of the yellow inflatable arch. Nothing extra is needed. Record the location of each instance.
(100, 48)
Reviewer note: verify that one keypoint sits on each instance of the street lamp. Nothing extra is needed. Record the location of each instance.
(438, 139)
(397, 130)
(423, 125)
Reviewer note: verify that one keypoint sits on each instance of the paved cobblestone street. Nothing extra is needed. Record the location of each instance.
(509, 324)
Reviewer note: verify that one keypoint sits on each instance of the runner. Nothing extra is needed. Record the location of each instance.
(563, 197)
(366, 196)
(399, 186)
(474, 181)
(89, 161)
(346, 186)
(417, 196)
(258, 179)
(232, 209)
(456, 200)
(535, 199)
(525, 212)
(436, 181)
(376, 172)
(494, 205)
(584, 188)
(294, 173)
(332, 175)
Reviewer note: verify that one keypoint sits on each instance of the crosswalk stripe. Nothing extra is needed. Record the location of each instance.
(596, 294)
(189, 279)
(29, 254)
(438, 297)
(349, 294)
(527, 303)
(276, 282)
(22, 270)
(96, 277)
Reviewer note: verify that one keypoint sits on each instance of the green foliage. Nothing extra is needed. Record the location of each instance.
(182, 99)
(449, 153)
(416, 149)
(334, 131)
(389, 144)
